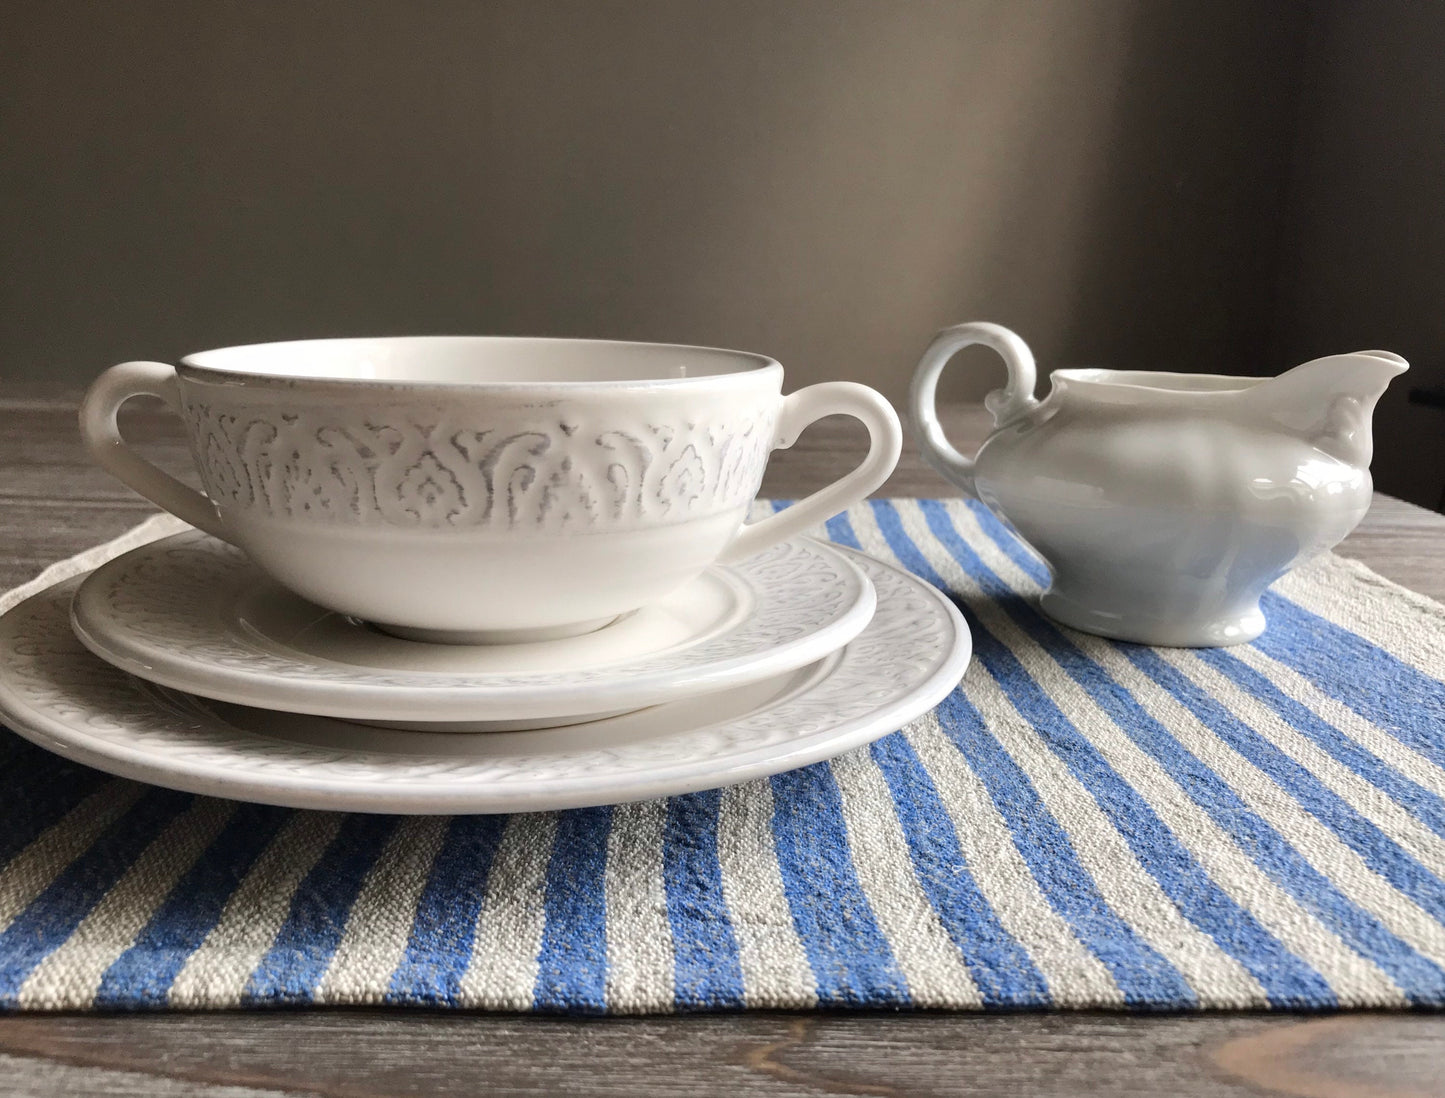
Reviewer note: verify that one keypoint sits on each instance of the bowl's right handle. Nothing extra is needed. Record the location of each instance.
(1013, 400)
(885, 442)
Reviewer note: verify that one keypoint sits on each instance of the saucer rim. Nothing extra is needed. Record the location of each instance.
(452, 701)
(427, 795)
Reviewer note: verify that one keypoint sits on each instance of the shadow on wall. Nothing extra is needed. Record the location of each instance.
(826, 181)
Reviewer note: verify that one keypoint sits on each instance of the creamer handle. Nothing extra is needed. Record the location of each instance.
(1007, 404)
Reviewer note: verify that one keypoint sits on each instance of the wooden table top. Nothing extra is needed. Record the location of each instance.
(54, 504)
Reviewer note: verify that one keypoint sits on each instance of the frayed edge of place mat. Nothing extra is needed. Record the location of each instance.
(153, 528)
(1352, 594)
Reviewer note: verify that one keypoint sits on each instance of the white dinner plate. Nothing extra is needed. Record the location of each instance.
(59, 695)
(193, 613)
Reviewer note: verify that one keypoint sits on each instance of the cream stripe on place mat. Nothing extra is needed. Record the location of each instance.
(502, 974)
(1354, 978)
(1371, 802)
(922, 948)
(640, 973)
(1216, 851)
(217, 973)
(771, 957)
(73, 972)
(31, 871)
(1071, 971)
(383, 914)
(1400, 756)
(1315, 842)
(759, 509)
(1349, 594)
(1125, 884)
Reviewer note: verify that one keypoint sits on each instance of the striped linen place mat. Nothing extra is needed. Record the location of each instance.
(1081, 824)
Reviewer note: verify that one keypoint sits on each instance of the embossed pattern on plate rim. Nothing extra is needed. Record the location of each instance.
(809, 599)
(908, 659)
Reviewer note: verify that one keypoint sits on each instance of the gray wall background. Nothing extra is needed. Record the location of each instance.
(1362, 259)
(1140, 183)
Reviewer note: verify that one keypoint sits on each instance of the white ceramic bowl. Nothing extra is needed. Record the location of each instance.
(483, 489)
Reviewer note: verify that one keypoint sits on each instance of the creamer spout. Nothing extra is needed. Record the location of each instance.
(1329, 401)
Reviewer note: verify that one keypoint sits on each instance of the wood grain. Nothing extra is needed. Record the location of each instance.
(53, 504)
(354, 1054)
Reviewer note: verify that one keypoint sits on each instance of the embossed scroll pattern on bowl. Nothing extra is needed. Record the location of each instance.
(430, 469)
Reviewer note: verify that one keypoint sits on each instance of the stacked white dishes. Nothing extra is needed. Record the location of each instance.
(476, 575)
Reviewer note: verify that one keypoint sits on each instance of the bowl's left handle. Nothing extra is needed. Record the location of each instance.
(101, 433)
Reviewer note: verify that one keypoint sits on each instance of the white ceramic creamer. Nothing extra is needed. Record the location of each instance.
(1164, 504)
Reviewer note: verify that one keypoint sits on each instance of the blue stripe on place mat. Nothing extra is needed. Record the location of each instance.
(572, 963)
(850, 957)
(53, 916)
(838, 527)
(1003, 970)
(1369, 680)
(1284, 977)
(37, 789)
(1269, 850)
(1009, 542)
(1344, 665)
(1146, 978)
(707, 969)
(1380, 852)
(439, 948)
(840, 530)
(143, 974)
(298, 958)
(1426, 806)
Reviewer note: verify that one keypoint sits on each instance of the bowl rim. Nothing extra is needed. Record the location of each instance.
(213, 363)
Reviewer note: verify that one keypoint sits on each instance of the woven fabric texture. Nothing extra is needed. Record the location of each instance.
(1081, 824)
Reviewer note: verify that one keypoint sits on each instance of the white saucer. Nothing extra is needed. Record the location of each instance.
(193, 613)
(54, 692)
